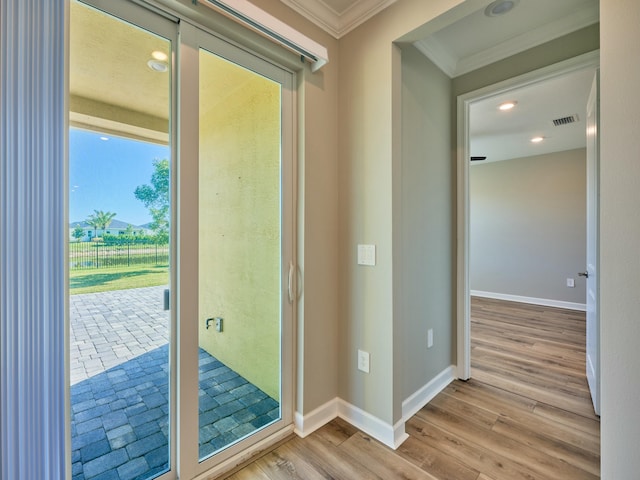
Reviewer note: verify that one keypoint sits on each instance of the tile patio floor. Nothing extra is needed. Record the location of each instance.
(119, 391)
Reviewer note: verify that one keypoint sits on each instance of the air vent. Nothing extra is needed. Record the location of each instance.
(565, 120)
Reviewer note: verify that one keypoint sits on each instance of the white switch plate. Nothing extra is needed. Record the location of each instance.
(430, 338)
(363, 361)
(571, 283)
(367, 255)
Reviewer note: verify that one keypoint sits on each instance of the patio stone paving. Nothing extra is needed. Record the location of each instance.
(119, 417)
(109, 328)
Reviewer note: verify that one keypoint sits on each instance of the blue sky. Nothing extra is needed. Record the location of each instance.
(103, 174)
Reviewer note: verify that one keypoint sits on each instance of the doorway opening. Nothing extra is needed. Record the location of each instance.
(587, 64)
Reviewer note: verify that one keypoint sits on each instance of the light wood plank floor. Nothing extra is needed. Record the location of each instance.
(525, 414)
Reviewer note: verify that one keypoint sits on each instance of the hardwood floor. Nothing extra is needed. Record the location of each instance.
(525, 415)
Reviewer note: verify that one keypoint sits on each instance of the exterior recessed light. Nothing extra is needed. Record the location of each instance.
(158, 55)
(537, 139)
(500, 7)
(158, 66)
(507, 105)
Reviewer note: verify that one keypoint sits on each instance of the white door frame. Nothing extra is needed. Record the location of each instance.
(463, 291)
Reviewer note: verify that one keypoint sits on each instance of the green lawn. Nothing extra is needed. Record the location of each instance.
(120, 278)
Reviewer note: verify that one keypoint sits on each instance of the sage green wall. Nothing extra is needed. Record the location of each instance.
(619, 234)
(370, 150)
(528, 226)
(239, 226)
(424, 264)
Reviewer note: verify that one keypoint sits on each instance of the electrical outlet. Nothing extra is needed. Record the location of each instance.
(571, 283)
(363, 361)
(430, 338)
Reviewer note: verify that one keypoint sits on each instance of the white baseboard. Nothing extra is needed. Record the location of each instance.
(425, 394)
(535, 301)
(391, 435)
(307, 424)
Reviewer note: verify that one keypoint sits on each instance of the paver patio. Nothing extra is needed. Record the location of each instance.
(119, 399)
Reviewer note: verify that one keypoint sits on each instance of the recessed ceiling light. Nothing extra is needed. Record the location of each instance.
(500, 7)
(158, 66)
(537, 139)
(158, 55)
(104, 139)
(507, 105)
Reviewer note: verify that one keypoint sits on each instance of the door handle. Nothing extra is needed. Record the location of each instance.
(583, 274)
(290, 286)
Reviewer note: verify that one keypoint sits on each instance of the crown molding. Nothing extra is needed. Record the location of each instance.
(533, 38)
(334, 23)
(433, 50)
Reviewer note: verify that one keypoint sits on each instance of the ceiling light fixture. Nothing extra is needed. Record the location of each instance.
(157, 65)
(500, 7)
(507, 105)
(158, 55)
(104, 139)
(537, 139)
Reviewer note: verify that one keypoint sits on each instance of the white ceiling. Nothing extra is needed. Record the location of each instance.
(504, 135)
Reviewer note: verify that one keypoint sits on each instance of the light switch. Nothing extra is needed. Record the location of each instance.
(367, 255)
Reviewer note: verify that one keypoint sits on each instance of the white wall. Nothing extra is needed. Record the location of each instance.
(528, 226)
(619, 234)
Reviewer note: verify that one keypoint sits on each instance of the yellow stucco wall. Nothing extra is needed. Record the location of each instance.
(239, 214)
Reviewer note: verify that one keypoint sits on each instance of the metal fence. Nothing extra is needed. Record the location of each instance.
(88, 255)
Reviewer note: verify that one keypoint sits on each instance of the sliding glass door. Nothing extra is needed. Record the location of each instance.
(180, 259)
(238, 145)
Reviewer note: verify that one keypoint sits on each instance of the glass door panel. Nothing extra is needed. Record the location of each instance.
(240, 248)
(119, 251)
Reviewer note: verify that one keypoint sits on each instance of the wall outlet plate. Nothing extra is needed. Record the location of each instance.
(571, 283)
(363, 361)
(367, 255)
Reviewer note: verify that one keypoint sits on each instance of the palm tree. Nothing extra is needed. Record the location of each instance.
(100, 219)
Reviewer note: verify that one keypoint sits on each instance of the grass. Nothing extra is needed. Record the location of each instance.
(119, 278)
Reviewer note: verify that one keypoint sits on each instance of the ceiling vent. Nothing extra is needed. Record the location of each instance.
(565, 120)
